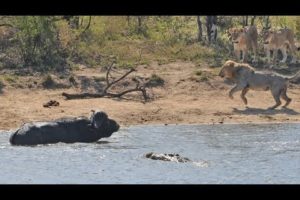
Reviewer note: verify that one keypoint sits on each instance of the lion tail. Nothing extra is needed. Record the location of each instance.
(293, 78)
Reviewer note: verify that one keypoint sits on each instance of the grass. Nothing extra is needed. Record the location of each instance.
(130, 53)
(10, 78)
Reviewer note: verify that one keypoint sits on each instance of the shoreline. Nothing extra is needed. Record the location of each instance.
(188, 124)
(211, 124)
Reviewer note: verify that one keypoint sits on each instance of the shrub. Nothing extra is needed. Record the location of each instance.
(155, 81)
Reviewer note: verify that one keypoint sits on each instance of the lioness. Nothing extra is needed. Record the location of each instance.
(244, 39)
(247, 78)
(282, 40)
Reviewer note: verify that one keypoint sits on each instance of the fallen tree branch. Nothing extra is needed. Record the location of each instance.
(82, 95)
(99, 95)
(140, 87)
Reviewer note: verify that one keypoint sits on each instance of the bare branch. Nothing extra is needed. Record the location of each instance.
(9, 25)
(107, 73)
(140, 87)
(125, 92)
(88, 26)
(114, 82)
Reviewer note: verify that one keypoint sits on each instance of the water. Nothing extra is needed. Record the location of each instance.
(227, 154)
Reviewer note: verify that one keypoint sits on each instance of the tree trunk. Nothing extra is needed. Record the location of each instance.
(81, 21)
(88, 26)
(210, 20)
(252, 20)
(267, 24)
(139, 23)
(208, 27)
(214, 21)
(199, 29)
(128, 20)
(76, 22)
(245, 20)
(89, 23)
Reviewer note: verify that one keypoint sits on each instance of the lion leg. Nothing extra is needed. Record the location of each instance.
(244, 92)
(236, 89)
(254, 48)
(285, 97)
(245, 54)
(275, 53)
(283, 50)
(294, 60)
(276, 96)
(268, 52)
(237, 54)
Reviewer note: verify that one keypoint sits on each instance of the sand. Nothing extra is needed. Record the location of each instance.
(182, 100)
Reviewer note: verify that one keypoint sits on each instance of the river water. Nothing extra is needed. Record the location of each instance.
(226, 154)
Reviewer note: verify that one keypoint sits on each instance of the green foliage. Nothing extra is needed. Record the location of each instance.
(46, 43)
(10, 78)
(37, 42)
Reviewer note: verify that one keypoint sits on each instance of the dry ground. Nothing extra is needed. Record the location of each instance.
(186, 98)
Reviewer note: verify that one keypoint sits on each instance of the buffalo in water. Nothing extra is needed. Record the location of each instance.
(67, 130)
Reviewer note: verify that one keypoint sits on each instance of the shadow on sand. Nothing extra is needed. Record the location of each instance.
(102, 142)
(255, 111)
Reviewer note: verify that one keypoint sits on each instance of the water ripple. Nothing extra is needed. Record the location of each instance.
(263, 153)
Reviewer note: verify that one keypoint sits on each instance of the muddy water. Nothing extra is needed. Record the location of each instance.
(228, 154)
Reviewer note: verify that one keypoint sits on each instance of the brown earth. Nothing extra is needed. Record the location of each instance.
(191, 95)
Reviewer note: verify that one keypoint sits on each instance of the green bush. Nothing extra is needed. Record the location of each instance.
(37, 42)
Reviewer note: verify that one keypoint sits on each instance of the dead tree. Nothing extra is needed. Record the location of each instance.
(210, 23)
(208, 27)
(199, 29)
(139, 18)
(140, 87)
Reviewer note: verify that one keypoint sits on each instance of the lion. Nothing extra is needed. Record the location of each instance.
(243, 40)
(247, 78)
(282, 40)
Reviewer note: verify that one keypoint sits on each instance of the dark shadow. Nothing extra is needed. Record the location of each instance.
(90, 83)
(131, 99)
(113, 145)
(102, 142)
(255, 111)
(1, 87)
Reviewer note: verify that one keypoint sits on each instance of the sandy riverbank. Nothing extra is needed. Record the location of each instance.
(182, 100)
